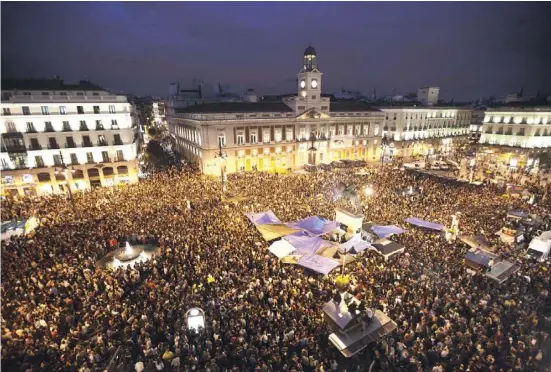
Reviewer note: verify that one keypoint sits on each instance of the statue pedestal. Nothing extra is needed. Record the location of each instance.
(352, 220)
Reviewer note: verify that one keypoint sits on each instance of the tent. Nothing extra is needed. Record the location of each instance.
(274, 231)
(281, 248)
(314, 225)
(357, 242)
(320, 264)
(263, 218)
(12, 228)
(388, 248)
(477, 241)
(306, 244)
(386, 231)
(478, 258)
(426, 224)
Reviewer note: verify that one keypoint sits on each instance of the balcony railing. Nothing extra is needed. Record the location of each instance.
(101, 143)
(14, 148)
(53, 146)
(87, 144)
(106, 160)
(49, 129)
(31, 130)
(90, 161)
(84, 128)
(117, 143)
(66, 129)
(57, 97)
(35, 147)
(70, 145)
(119, 158)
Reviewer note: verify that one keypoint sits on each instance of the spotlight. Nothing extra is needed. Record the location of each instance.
(368, 191)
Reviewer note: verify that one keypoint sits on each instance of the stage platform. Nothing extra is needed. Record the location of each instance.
(501, 271)
(357, 339)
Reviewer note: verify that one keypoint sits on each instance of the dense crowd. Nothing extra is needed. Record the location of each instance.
(61, 312)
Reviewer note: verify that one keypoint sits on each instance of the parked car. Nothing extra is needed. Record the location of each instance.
(337, 164)
(360, 163)
(325, 167)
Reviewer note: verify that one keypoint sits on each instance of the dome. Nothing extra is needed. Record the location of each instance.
(310, 51)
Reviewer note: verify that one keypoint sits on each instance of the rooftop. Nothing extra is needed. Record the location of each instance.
(237, 107)
(46, 84)
(347, 106)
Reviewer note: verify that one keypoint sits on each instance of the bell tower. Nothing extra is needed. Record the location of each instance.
(309, 78)
(308, 87)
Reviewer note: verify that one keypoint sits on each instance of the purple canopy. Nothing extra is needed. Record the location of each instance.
(263, 218)
(306, 244)
(429, 225)
(384, 231)
(314, 225)
(357, 242)
(320, 264)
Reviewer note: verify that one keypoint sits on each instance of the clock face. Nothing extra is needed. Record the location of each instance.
(302, 84)
(314, 83)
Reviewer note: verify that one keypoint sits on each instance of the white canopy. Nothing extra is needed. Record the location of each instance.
(539, 245)
(281, 248)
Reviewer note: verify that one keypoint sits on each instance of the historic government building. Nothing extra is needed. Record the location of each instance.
(308, 128)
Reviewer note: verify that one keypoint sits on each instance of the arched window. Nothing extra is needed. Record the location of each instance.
(59, 177)
(93, 172)
(108, 171)
(78, 174)
(43, 177)
(123, 169)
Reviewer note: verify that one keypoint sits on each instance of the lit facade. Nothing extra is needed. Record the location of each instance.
(46, 124)
(428, 96)
(426, 130)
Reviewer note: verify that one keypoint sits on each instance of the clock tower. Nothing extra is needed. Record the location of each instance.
(309, 78)
(308, 86)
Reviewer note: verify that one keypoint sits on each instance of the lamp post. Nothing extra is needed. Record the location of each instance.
(384, 146)
(67, 173)
(313, 148)
(222, 156)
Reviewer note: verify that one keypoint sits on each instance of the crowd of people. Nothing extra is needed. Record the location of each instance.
(62, 312)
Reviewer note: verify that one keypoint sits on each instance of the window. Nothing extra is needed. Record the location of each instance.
(45, 110)
(105, 156)
(45, 93)
(80, 94)
(6, 111)
(86, 141)
(30, 128)
(99, 125)
(39, 162)
(120, 156)
(80, 109)
(114, 124)
(376, 130)
(96, 109)
(289, 134)
(222, 139)
(74, 159)
(52, 143)
(302, 133)
(95, 94)
(57, 160)
(340, 130)
(277, 134)
(253, 138)
(101, 140)
(66, 126)
(112, 109)
(332, 131)
(301, 108)
(83, 126)
(117, 139)
(349, 130)
(71, 143)
(35, 145)
(26, 110)
(89, 157)
(63, 110)
(366, 129)
(26, 93)
(240, 138)
(266, 138)
(62, 93)
(324, 107)
(48, 127)
(314, 96)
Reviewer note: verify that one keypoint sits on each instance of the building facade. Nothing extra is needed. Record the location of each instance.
(308, 128)
(428, 96)
(426, 130)
(516, 136)
(56, 136)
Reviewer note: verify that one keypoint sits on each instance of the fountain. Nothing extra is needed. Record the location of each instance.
(128, 253)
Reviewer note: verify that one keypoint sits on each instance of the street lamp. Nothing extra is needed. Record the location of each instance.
(384, 146)
(222, 156)
(313, 148)
(66, 171)
(368, 191)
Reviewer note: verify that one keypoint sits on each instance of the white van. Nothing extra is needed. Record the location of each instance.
(540, 247)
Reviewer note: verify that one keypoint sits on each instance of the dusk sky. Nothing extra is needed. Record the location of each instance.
(469, 50)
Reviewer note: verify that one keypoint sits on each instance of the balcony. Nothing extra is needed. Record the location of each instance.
(53, 146)
(70, 145)
(35, 147)
(119, 159)
(90, 161)
(103, 143)
(68, 98)
(14, 148)
(117, 143)
(49, 130)
(87, 144)
(31, 130)
(66, 129)
(106, 160)
(83, 128)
